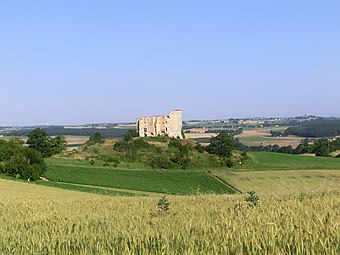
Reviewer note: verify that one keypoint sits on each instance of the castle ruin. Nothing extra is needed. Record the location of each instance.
(161, 125)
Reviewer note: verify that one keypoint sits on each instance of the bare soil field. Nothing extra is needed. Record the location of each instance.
(199, 135)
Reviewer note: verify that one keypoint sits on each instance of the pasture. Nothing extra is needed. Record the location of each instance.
(42, 220)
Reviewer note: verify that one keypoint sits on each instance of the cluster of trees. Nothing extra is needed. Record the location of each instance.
(48, 146)
(20, 161)
(275, 133)
(229, 131)
(176, 153)
(269, 148)
(321, 147)
(164, 152)
(27, 162)
(316, 128)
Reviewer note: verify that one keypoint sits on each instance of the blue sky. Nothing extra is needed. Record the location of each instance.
(75, 62)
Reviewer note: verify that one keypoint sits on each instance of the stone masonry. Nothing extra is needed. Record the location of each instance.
(161, 125)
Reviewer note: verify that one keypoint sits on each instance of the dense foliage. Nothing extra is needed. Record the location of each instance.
(316, 128)
(48, 146)
(164, 152)
(19, 161)
(174, 155)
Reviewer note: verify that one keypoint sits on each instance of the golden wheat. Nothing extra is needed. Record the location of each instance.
(209, 224)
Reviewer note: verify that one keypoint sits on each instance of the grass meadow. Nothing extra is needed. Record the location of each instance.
(44, 220)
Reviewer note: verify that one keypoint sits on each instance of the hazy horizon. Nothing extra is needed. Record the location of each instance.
(83, 62)
(185, 120)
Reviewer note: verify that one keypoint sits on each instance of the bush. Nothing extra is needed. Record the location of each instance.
(229, 163)
(199, 147)
(163, 204)
(92, 162)
(252, 198)
(130, 134)
(160, 161)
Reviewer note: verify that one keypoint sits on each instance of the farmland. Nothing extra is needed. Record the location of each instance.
(67, 222)
(162, 181)
(67, 213)
(272, 161)
(280, 172)
(299, 201)
(283, 181)
(262, 136)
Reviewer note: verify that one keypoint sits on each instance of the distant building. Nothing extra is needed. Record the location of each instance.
(161, 125)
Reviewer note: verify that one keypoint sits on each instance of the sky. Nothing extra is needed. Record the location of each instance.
(79, 61)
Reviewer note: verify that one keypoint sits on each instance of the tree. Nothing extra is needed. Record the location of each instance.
(58, 144)
(96, 138)
(222, 145)
(39, 140)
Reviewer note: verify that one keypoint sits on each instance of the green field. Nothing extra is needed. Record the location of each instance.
(277, 175)
(73, 187)
(272, 161)
(163, 181)
(97, 163)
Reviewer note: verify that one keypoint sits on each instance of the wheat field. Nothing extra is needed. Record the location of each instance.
(45, 220)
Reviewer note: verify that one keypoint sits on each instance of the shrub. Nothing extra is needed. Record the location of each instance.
(160, 161)
(92, 162)
(229, 163)
(163, 204)
(252, 198)
(199, 148)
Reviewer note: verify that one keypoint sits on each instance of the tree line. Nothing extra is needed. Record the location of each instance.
(62, 131)
(321, 147)
(316, 128)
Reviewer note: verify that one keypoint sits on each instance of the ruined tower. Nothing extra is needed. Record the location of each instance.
(161, 125)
